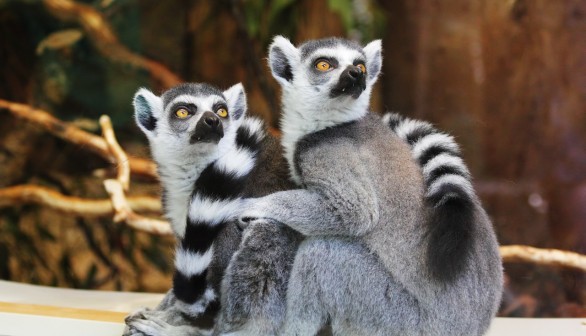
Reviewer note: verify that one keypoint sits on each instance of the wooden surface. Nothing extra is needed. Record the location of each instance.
(66, 321)
(52, 311)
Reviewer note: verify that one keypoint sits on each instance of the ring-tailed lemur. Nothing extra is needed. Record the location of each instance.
(380, 243)
(208, 156)
(183, 154)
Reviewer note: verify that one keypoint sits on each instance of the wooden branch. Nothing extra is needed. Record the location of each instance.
(122, 164)
(32, 194)
(124, 208)
(549, 257)
(116, 188)
(123, 212)
(101, 34)
(76, 136)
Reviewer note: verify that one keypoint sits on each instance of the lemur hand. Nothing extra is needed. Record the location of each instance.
(254, 210)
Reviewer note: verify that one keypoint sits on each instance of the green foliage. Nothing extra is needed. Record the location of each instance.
(344, 9)
(362, 19)
(266, 18)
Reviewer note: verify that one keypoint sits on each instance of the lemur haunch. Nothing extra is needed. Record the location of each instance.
(208, 156)
(387, 252)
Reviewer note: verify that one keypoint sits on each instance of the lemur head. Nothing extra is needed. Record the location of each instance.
(188, 122)
(328, 75)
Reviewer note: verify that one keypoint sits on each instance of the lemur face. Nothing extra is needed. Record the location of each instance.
(338, 71)
(189, 119)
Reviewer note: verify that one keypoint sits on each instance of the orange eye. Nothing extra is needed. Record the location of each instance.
(182, 113)
(323, 65)
(222, 112)
(361, 67)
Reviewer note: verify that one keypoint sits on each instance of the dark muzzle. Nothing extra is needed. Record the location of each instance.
(352, 82)
(208, 129)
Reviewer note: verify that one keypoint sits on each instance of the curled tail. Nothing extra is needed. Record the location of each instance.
(215, 199)
(449, 194)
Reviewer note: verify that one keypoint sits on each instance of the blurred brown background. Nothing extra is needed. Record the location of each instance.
(506, 77)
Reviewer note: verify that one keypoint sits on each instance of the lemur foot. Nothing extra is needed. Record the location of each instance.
(157, 326)
(141, 313)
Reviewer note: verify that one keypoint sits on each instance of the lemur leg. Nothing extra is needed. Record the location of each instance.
(341, 280)
(255, 284)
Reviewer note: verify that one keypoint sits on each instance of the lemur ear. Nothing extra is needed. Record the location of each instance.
(236, 99)
(282, 57)
(147, 110)
(374, 60)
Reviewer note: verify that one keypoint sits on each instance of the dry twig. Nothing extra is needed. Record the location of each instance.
(32, 194)
(123, 166)
(123, 207)
(116, 188)
(75, 135)
(550, 257)
(123, 212)
(103, 37)
(27, 194)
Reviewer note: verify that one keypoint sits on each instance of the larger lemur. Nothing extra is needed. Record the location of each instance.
(389, 250)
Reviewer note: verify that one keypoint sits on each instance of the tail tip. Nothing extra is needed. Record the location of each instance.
(451, 236)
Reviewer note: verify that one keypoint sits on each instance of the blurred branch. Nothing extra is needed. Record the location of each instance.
(123, 212)
(115, 188)
(101, 34)
(32, 194)
(122, 164)
(123, 208)
(549, 257)
(76, 136)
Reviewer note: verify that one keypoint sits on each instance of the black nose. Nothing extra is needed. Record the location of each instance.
(351, 83)
(208, 129)
(354, 72)
(212, 121)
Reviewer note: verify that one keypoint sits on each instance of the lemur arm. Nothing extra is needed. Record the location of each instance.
(338, 198)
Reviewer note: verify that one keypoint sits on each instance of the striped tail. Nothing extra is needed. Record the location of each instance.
(213, 203)
(449, 194)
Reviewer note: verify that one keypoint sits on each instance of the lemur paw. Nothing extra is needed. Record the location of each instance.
(255, 212)
(151, 326)
(138, 314)
(155, 326)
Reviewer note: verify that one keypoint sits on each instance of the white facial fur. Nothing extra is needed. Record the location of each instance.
(307, 105)
(179, 161)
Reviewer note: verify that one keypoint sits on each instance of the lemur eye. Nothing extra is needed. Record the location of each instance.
(182, 113)
(222, 112)
(323, 65)
(361, 67)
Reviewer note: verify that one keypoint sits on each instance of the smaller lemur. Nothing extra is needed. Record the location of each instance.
(208, 157)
